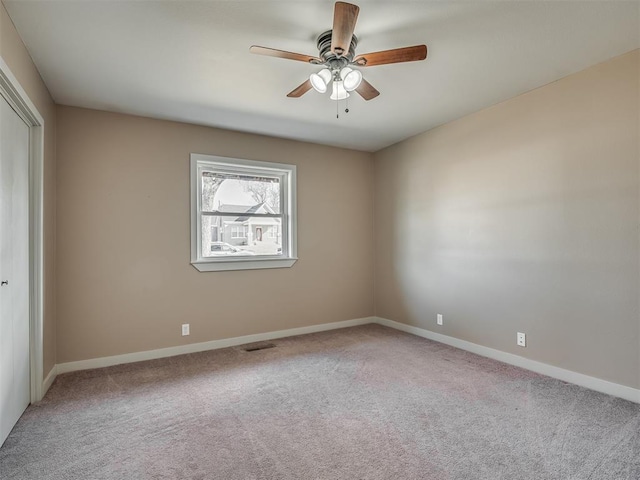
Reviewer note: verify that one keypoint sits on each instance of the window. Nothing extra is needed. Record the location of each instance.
(242, 214)
(238, 231)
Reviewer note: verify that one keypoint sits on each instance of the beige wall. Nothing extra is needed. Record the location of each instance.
(125, 283)
(522, 217)
(15, 55)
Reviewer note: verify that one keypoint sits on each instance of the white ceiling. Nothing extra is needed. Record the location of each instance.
(190, 61)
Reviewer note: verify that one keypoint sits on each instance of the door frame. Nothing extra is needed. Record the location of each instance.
(15, 95)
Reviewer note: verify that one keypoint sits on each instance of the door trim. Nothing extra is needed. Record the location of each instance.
(15, 95)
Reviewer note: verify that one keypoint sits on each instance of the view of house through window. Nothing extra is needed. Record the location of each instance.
(241, 215)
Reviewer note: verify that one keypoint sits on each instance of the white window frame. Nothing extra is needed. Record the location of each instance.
(287, 174)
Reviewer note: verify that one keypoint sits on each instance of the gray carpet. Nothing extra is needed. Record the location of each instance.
(359, 403)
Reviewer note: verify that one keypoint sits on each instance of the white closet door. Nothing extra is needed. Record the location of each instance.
(14, 268)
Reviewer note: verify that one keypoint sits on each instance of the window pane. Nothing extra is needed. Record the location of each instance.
(241, 236)
(240, 193)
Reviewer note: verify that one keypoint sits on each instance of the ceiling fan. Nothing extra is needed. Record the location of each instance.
(337, 55)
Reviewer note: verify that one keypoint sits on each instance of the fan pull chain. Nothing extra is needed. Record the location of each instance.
(337, 108)
(346, 110)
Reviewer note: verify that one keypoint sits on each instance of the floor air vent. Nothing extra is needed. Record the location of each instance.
(262, 346)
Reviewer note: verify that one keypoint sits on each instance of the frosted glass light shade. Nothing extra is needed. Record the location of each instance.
(351, 78)
(320, 80)
(339, 92)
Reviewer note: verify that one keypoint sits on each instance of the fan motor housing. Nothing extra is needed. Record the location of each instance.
(330, 58)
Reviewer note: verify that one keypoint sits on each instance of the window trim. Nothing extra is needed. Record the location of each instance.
(289, 256)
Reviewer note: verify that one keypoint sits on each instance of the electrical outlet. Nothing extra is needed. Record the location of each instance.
(439, 319)
(185, 329)
(521, 339)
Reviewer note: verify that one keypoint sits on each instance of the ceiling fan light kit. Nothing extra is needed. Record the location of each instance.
(337, 55)
(320, 80)
(338, 92)
(346, 80)
(351, 78)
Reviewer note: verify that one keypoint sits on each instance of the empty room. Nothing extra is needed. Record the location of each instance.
(265, 240)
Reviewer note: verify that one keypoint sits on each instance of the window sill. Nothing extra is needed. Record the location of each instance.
(243, 264)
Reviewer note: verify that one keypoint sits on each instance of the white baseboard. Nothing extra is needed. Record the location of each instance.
(48, 381)
(204, 346)
(597, 384)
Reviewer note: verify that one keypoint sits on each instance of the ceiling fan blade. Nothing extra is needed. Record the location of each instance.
(300, 90)
(344, 22)
(397, 55)
(366, 90)
(272, 52)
